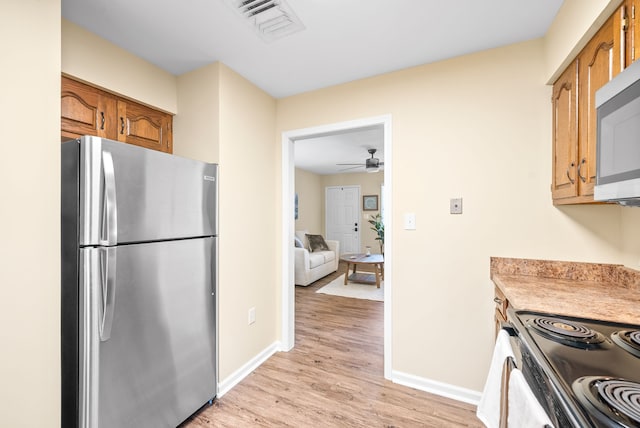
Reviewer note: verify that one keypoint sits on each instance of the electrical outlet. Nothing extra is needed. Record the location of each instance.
(455, 206)
(252, 315)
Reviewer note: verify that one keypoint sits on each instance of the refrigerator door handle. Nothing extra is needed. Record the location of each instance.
(108, 286)
(109, 207)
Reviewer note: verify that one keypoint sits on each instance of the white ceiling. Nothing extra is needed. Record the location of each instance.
(343, 40)
(321, 155)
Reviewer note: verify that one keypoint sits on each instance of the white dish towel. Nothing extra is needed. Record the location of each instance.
(524, 409)
(489, 407)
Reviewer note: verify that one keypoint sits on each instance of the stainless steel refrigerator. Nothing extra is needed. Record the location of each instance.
(139, 251)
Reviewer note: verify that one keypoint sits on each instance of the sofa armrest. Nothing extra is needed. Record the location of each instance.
(334, 246)
(301, 258)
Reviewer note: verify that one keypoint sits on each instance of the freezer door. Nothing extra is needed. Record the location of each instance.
(147, 336)
(131, 194)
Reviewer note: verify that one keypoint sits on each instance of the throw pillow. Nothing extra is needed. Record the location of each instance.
(297, 242)
(302, 236)
(317, 243)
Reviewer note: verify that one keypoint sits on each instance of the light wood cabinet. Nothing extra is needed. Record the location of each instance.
(87, 110)
(574, 111)
(144, 127)
(565, 134)
(599, 62)
(501, 308)
(630, 25)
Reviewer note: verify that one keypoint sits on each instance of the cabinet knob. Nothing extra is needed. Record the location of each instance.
(497, 300)
(582, 162)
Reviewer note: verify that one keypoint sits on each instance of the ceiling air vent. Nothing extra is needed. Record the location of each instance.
(272, 19)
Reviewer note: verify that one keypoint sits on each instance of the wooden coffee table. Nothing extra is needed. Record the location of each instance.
(377, 260)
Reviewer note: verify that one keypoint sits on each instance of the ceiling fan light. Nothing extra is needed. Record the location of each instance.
(374, 169)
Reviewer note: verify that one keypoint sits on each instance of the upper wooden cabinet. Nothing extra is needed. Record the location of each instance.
(144, 127)
(87, 110)
(632, 34)
(565, 134)
(574, 111)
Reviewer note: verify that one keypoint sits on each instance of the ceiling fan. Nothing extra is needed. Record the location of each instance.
(371, 165)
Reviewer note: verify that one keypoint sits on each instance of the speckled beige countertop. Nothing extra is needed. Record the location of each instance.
(588, 290)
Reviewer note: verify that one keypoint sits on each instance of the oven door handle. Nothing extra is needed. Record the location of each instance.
(507, 368)
(509, 328)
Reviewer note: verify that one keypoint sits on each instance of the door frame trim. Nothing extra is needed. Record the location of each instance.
(359, 211)
(287, 293)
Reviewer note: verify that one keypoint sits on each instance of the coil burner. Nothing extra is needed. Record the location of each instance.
(610, 399)
(629, 340)
(567, 332)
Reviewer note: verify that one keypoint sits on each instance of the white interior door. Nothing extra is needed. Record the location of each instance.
(342, 217)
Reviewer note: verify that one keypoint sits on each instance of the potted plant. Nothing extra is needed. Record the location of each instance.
(378, 226)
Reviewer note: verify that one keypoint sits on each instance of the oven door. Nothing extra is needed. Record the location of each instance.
(506, 399)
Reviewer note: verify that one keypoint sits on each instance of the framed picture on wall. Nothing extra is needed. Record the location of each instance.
(370, 202)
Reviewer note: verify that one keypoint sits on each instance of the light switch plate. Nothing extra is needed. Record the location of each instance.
(455, 206)
(410, 221)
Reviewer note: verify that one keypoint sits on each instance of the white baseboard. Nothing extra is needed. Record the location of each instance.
(244, 371)
(439, 388)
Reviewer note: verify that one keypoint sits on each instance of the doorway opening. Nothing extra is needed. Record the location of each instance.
(288, 225)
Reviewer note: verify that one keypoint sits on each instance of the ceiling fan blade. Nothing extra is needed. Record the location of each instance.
(353, 167)
(359, 164)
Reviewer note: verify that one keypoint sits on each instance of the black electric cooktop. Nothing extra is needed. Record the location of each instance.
(595, 365)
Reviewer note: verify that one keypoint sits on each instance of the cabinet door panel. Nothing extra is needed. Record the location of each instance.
(86, 110)
(143, 126)
(565, 134)
(596, 68)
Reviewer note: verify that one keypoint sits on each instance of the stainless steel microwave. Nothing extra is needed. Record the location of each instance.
(618, 139)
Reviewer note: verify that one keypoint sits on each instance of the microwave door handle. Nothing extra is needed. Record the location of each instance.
(108, 288)
(109, 203)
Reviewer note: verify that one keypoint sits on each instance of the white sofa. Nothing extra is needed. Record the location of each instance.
(311, 266)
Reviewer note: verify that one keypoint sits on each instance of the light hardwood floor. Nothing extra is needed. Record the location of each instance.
(333, 377)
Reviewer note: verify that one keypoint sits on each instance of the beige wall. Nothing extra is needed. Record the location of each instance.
(249, 263)
(196, 128)
(369, 185)
(476, 127)
(91, 58)
(630, 237)
(310, 201)
(30, 214)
